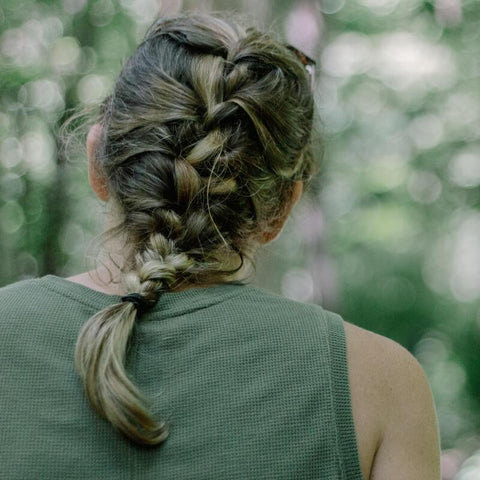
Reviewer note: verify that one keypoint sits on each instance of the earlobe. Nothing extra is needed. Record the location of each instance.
(95, 176)
(297, 191)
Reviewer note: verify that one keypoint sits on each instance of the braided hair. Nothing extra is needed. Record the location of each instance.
(207, 128)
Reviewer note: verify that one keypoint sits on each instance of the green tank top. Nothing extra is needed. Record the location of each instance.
(252, 385)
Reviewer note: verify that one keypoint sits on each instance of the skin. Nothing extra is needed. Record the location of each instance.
(393, 409)
(392, 405)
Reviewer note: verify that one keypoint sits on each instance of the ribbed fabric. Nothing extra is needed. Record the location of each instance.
(253, 386)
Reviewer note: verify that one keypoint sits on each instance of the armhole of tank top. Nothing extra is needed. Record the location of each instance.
(342, 402)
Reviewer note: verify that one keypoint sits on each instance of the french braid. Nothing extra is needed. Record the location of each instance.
(206, 128)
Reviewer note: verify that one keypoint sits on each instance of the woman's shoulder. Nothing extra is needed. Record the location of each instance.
(21, 289)
(392, 406)
(376, 351)
(25, 291)
(376, 358)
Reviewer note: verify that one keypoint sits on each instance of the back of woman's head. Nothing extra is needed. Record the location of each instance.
(203, 137)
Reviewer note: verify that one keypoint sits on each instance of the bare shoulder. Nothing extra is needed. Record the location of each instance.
(393, 409)
(381, 353)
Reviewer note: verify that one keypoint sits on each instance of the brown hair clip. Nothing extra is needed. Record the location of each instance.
(308, 62)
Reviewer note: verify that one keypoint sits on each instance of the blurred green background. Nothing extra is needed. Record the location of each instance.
(389, 233)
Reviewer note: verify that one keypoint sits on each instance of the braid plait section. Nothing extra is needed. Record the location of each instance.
(206, 128)
(157, 268)
(190, 201)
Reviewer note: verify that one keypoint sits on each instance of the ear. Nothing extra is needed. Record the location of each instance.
(280, 223)
(97, 180)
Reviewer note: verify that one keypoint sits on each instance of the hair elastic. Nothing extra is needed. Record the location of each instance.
(138, 300)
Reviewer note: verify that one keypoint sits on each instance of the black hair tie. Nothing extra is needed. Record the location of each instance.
(139, 301)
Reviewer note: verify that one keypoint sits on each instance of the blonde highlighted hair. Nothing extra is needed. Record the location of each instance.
(207, 128)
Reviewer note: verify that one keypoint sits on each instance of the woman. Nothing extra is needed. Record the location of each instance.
(201, 152)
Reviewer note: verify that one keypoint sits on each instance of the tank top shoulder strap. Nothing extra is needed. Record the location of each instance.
(347, 442)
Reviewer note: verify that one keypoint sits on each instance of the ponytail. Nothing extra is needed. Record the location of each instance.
(100, 361)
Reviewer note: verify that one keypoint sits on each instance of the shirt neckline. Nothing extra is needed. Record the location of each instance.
(169, 303)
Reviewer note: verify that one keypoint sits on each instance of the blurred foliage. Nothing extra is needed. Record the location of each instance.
(388, 236)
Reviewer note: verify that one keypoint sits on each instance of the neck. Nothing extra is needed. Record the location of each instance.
(96, 280)
(107, 278)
